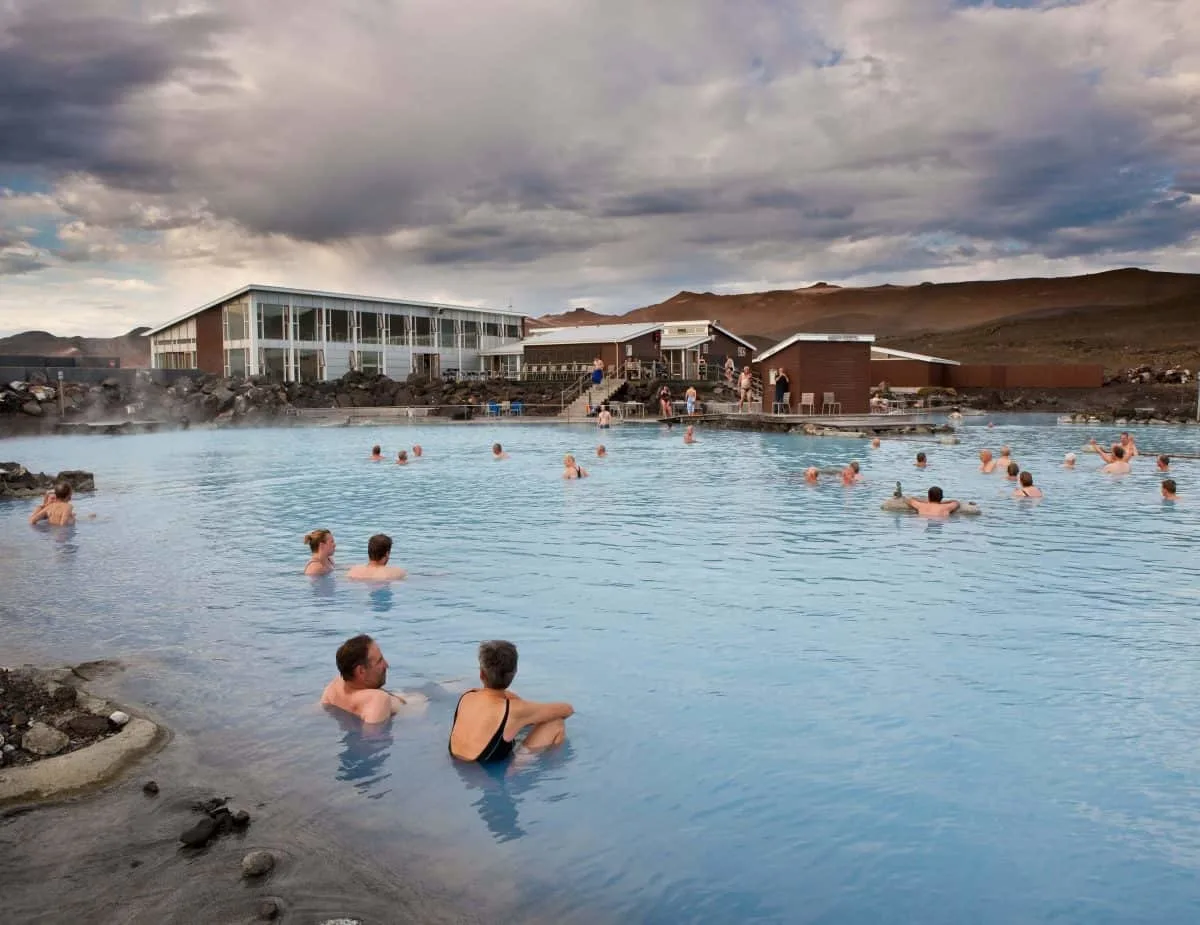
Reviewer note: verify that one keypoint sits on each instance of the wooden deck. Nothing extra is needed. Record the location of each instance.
(871, 423)
(108, 427)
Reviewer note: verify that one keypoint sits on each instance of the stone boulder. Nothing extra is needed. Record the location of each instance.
(32, 408)
(44, 740)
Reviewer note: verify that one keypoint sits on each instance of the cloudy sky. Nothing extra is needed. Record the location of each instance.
(604, 153)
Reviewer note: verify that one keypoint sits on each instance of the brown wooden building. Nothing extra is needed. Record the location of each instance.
(903, 370)
(548, 350)
(698, 349)
(818, 364)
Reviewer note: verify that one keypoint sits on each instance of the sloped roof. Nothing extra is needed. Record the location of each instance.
(823, 338)
(889, 353)
(589, 334)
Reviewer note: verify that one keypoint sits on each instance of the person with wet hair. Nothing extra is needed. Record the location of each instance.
(402, 458)
(417, 451)
(488, 720)
(56, 508)
(379, 551)
(851, 475)
(358, 688)
(572, 469)
(601, 452)
(922, 462)
(376, 453)
(1027, 489)
(1169, 492)
(1012, 472)
(935, 506)
(1069, 461)
(1163, 463)
(498, 452)
(322, 544)
(987, 465)
(1117, 464)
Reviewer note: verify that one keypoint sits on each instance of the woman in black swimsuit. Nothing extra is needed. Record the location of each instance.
(487, 720)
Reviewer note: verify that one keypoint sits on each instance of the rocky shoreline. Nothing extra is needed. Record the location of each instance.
(18, 482)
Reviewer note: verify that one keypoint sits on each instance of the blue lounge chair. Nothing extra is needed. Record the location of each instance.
(517, 407)
(493, 409)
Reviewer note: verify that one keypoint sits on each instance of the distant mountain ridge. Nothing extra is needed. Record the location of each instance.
(133, 347)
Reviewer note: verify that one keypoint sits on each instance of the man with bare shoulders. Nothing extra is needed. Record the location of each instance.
(987, 465)
(1118, 465)
(376, 453)
(935, 506)
(1163, 463)
(498, 452)
(1169, 491)
(362, 671)
(852, 475)
(1128, 445)
(56, 508)
(1107, 455)
(488, 720)
(379, 550)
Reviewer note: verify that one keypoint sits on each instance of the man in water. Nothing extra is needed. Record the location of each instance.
(851, 474)
(379, 550)
(376, 453)
(1118, 466)
(690, 396)
(1163, 463)
(402, 458)
(1027, 489)
(987, 465)
(921, 461)
(604, 418)
(1012, 472)
(1069, 461)
(1006, 459)
(56, 508)
(689, 435)
(1168, 490)
(488, 720)
(362, 671)
(417, 451)
(935, 506)
(811, 474)
(498, 452)
(874, 443)
(601, 452)
(1128, 445)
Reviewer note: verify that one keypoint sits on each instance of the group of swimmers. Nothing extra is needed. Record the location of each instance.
(487, 720)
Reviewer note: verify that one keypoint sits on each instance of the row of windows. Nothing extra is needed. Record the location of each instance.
(177, 360)
(282, 322)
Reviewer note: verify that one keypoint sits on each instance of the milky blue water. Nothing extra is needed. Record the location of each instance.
(791, 707)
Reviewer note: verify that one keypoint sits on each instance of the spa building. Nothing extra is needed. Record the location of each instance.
(299, 334)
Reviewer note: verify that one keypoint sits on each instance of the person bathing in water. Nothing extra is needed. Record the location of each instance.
(572, 469)
(417, 451)
(322, 544)
(56, 508)
(935, 506)
(1163, 464)
(1116, 464)
(987, 465)
(376, 453)
(689, 435)
(851, 474)
(1012, 472)
(922, 462)
(811, 474)
(379, 550)
(498, 452)
(402, 458)
(601, 452)
(1027, 489)
(358, 689)
(488, 720)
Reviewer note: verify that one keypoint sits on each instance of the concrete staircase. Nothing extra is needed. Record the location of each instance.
(577, 410)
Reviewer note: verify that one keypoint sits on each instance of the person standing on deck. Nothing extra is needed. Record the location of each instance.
(664, 401)
(729, 371)
(597, 371)
(745, 380)
(691, 395)
(782, 386)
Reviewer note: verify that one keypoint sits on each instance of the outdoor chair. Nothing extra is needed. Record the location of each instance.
(782, 407)
(493, 409)
(808, 400)
(830, 405)
(517, 408)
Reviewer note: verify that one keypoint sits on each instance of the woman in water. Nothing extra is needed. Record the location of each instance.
(322, 545)
(572, 469)
(402, 458)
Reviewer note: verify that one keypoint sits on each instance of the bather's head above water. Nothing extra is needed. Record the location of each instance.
(361, 663)
(320, 541)
(497, 664)
(935, 494)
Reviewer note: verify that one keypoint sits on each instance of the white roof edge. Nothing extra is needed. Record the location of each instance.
(289, 290)
(624, 332)
(827, 338)
(905, 355)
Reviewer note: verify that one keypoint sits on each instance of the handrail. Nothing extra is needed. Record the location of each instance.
(576, 388)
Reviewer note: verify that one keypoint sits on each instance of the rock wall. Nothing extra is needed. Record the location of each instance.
(18, 482)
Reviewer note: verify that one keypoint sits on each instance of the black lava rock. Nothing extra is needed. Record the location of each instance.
(150, 788)
(200, 834)
(241, 819)
(20, 718)
(268, 909)
(88, 725)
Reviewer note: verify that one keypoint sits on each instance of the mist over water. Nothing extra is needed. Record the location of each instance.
(790, 706)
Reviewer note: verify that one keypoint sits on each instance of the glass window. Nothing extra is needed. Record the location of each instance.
(235, 362)
(424, 325)
(513, 331)
(446, 330)
(339, 325)
(370, 362)
(237, 322)
(274, 363)
(470, 327)
(305, 321)
(398, 326)
(491, 329)
(311, 365)
(270, 322)
(369, 332)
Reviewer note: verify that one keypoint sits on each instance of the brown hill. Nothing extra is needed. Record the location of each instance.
(132, 348)
(907, 310)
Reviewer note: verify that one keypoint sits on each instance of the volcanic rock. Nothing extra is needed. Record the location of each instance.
(44, 740)
(257, 863)
(200, 834)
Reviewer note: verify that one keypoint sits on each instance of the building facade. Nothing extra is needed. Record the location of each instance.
(295, 335)
(697, 350)
(820, 365)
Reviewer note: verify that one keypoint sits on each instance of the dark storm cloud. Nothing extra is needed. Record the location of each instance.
(15, 263)
(65, 75)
